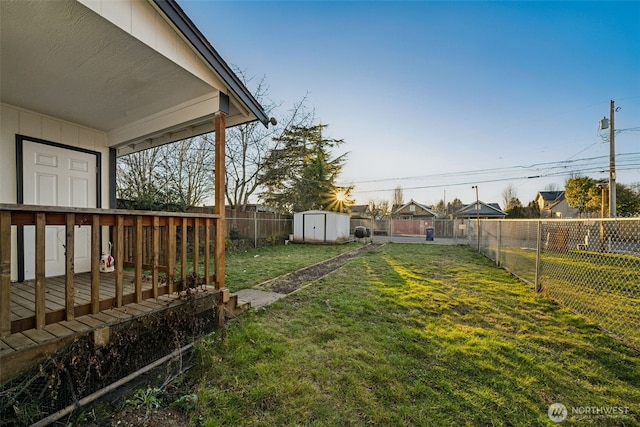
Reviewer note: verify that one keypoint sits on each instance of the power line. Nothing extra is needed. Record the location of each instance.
(628, 161)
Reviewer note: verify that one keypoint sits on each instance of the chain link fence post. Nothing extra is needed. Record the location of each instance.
(538, 254)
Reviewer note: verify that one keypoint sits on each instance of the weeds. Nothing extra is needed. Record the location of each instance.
(147, 398)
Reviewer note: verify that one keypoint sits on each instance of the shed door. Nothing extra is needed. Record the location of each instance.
(55, 176)
(314, 227)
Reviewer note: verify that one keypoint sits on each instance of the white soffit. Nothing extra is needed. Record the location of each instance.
(61, 59)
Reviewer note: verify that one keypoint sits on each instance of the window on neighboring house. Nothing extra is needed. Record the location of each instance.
(412, 208)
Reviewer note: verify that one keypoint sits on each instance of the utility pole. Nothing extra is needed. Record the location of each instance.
(612, 163)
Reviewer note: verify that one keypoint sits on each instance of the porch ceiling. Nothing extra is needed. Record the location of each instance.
(61, 59)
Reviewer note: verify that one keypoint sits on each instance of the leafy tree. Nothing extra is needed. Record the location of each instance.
(532, 210)
(627, 201)
(301, 175)
(587, 196)
(454, 206)
(578, 194)
(514, 208)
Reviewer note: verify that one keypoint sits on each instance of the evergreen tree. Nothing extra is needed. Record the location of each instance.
(301, 175)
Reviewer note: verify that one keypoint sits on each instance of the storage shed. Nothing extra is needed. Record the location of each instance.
(320, 227)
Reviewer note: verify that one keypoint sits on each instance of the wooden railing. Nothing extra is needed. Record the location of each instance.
(151, 246)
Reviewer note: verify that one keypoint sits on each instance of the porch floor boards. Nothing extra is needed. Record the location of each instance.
(23, 293)
(20, 349)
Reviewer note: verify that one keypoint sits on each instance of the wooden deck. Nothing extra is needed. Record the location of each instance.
(23, 296)
(30, 344)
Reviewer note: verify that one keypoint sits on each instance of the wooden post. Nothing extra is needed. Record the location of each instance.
(183, 252)
(119, 259)
(220, 126)
(138, 260)
(537, 284)
(207, 242)
(156, 255)
(171, 256)
(69, 271)
(40, 269)
(95, 264)
(5, 273)
(196, 246)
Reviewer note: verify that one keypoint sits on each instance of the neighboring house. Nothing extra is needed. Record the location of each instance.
(413, 210)
(486, 211)
(553, 204)
(360, 212)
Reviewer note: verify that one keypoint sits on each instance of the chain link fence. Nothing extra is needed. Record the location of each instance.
(251, 229)
(590, 266)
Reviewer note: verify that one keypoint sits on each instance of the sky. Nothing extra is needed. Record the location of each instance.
(438, 96)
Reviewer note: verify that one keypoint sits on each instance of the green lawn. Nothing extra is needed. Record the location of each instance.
(604, 287)
(250, 267)
(418, 335)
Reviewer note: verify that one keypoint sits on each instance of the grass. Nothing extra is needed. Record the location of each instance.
(604, 287)
(412, 335)
(248, 268)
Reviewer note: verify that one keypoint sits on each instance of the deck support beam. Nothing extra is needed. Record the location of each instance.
(138, 260)
(69, 271)
(40, 269)
(5, 274)
(95, 264)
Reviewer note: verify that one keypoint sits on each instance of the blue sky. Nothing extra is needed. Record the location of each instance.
(427, 93)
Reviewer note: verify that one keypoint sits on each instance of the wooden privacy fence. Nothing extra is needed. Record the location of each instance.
(145, 241)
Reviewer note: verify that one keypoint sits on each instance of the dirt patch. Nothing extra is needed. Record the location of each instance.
(162, 417)
(292, 281)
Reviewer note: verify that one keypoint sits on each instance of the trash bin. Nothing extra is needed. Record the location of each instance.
(430, 234)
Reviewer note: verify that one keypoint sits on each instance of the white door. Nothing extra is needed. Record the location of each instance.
(55, 176)
(314, 227)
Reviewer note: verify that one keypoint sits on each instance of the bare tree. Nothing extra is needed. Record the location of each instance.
(398, 197)
(249, 145)
(137, 178)
(379, 209)
(173, 176)
(509, 196)
(187, 167)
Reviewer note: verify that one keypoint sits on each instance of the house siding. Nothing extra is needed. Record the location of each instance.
(14, 121)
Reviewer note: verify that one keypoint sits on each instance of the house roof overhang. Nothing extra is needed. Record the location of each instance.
(140, 71)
